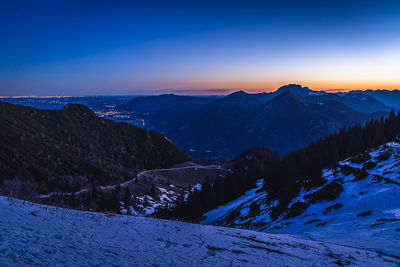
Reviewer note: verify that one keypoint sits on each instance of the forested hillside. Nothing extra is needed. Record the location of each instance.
(284, 177)
(48, 151)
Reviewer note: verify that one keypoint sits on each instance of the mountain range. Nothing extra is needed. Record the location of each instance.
(215, 129)
(284, 120)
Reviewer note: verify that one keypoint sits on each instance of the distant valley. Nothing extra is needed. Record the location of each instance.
(216, 129)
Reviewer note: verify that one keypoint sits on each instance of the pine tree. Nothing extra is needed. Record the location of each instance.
(153, 190)
(127, 198)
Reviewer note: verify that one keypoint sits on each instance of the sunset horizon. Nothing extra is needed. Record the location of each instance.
(64, 48)
(207, 91)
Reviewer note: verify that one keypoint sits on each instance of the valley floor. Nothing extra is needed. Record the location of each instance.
(32, 234)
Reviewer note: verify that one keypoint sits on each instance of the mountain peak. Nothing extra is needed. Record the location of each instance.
(293, 86)
(290, 96)
(298, 90)
(77, 109)
(238, 93)
(239, 99)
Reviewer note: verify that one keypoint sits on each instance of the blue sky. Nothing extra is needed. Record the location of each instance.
(127, 47)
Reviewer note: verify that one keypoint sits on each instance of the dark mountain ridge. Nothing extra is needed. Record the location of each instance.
(294, 88)
(163, 102)
(224, 127)
(390, 98)
(219, 128)
(66, 150)
(360, 102)
(239, 99)
(289, 121)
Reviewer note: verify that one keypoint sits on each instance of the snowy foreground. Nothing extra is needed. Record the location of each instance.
(365, 215)
(32, 234)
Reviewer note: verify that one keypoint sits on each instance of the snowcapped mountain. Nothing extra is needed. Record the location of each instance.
(33, 234)
(293, 88)
(359, 205)
(298, 90)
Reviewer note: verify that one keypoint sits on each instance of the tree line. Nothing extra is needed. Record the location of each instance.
(285, 176)
(303, 167)
(247, 169)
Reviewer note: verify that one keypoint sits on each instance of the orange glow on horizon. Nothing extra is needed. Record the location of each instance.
(222, 88)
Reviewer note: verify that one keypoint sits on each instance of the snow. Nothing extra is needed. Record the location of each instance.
(165, 198)
(395, 212)
(33, 234)
(345, 220)
(221, 211)
(197, 187)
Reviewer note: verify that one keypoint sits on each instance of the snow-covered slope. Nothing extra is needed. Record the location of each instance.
(32, 234)
(366, 214)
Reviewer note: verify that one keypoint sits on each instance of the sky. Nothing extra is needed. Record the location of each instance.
(99, 47)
